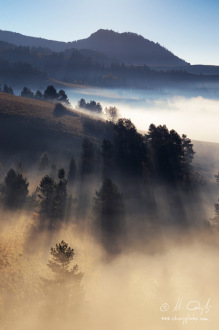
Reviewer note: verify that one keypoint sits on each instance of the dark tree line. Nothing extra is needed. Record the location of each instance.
(109, 211)
(50, 94)
(161, 154)
(126, 167)
(53, 198)
(23, 63)
(170, 155)
(14, 190)
(91, 106)
(6, 89)
(138, 164)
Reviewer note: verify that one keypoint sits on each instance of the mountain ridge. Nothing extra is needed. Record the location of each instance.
(128, 47)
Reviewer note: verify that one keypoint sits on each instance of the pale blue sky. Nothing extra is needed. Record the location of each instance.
(189, 28)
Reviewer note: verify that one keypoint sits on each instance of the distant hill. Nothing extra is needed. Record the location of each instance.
(22, 40)
(33, 66)
(193, 69)
(203, 69)
(129, 48)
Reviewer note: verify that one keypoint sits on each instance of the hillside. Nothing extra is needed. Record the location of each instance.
(28, 125)
(20, 66)
(28, 41)
(129, 48)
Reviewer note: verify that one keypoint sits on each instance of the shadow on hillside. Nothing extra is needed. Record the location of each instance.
(60, 110)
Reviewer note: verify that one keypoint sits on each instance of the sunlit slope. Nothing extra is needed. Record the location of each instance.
(30, 125)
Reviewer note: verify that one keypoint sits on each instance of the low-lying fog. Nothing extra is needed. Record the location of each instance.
(191, 112)
(159, 281)
(172, 287)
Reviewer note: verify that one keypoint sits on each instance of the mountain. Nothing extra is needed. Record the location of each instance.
(32, 66)
(128, 48)
(22, 40)
(19, 73)
(20, 66)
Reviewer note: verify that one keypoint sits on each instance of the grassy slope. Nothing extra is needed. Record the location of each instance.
(28, 125)
(11, 105)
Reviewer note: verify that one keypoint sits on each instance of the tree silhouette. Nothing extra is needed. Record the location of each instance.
(109, 214)
(7, 89)
(26, 92)
(44, 162)
(62, 97)
(171, 155)
(112, 114)
(87, 158)
(60, 196)
(187, 157)
(64, 292)
(50, 93)
(82, 103)
(38, 95)
(129, 147)
(59, 110)
(61, 257)
(107, 153)
(72, 171)
(46, 193)
(14, 190)
(92, 105)
(53, 196)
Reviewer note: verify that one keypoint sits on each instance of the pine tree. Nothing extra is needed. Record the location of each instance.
(87, 158)
(44, 162)
(46, 193)
(129, 147)
(62, 97)
(72, 171)
(60, 198)
(14, 190)
(61, 257)
(107, 154)
(50, 93)
(63, 292)
(109, 214)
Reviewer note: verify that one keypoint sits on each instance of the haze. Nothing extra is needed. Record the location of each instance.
(188, 113)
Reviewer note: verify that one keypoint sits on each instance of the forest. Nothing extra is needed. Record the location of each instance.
(109, 165)
(34, 66)
(65, 213)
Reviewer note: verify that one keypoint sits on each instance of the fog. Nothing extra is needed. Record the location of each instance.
(191, 112)
(134, 290)
(159, 272)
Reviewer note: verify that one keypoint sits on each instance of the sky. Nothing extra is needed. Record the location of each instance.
(188, 28)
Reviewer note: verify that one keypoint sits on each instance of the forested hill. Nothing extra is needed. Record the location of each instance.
(28, 41)
(33, 66)
(128, 48)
